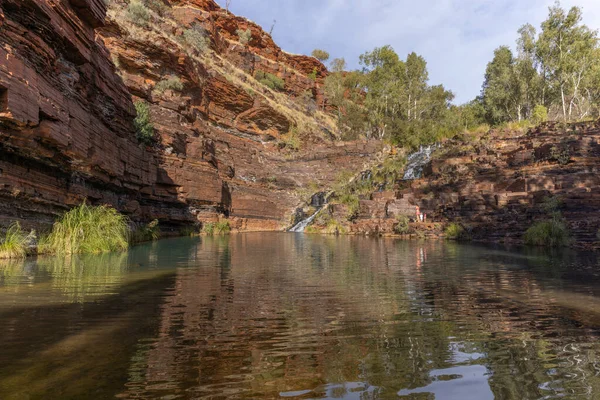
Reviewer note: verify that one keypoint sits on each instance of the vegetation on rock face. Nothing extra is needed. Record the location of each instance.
(138, 13)
(171, 83)
(455, 231)
(270, 80)
(87, 229)
(551, 233)
(402, 226)
(245, 36)
(196, 39)
(14, 244)
(143, 126)
(320, 55)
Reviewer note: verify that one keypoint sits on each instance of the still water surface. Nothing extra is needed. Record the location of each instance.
(271, 316)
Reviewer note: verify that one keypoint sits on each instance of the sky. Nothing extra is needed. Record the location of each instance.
(456, 37)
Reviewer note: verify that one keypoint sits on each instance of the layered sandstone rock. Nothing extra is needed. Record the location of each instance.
(68, 82)
(499, 185)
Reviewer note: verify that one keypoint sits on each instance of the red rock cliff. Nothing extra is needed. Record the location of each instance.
(68, 80)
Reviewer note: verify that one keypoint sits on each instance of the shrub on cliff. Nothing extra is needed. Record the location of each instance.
(551, 233)
(245, 36)
(143, 126)
(87, 229)
(171, 83)
(138, 13)
(320, 55)
(402, 226)
(270, 80)
(14, 243)
(196, 39)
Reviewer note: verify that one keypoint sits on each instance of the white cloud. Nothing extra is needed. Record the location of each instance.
(457, 37)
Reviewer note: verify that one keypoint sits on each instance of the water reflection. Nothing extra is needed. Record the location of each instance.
(293, 316)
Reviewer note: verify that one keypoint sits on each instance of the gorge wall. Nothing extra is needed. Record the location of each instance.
(497, 185)
(69, 77)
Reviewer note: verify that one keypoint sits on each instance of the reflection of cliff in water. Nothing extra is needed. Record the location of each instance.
(329, 316)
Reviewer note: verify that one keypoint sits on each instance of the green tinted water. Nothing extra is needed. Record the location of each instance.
(267, 316)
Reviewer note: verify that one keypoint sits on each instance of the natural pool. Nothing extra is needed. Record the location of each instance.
(268, 316)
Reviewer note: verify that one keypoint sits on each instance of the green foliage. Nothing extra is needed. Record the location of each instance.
(196, 39)
(88, 229)
(138, 13)
(171, 83)
(320, 55)
(539, 114)
(270, 80)
(143, 126)
(556, 71)
(291, 140)
(216, 228)
(244, 36)
(402, 226)
(14, 243)
(335, 227)
(551, 233)
(455, 231)
(561, 153)
(390, 171)
(313, 75)
(145, 233)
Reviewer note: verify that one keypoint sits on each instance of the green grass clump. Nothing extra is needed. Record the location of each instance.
(171, 83)
(87, 230)
(551, 233)
(270, 80)
(291, 140)
(454, 231)
(146, 233)
(143, 126)
(14, 243)
(138, 13)
(216, 228)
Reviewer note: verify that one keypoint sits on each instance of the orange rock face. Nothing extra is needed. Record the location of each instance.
(68, 82)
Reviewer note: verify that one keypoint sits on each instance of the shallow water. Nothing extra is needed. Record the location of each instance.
(268, 316)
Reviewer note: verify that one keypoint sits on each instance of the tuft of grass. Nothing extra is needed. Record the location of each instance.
(137, 13)
(455, 231)
(145, 233)
(14, 243)
(87, 230)
(334, 227)
(171, 83)
(216, 228)
(550, 233)
(143, 126)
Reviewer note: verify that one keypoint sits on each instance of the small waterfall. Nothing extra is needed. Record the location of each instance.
(417, 161)
(301, 226)
(318, 200)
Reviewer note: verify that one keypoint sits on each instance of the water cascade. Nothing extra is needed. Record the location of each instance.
(319, 200)
(417, 161)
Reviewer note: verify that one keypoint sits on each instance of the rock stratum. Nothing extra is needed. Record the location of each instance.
(498, 185)
(70, 72)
